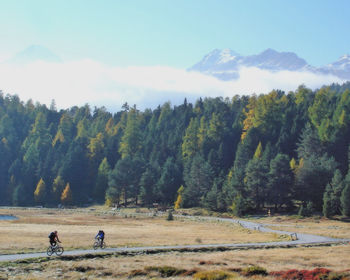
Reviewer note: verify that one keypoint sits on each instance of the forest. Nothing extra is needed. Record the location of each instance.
(288, 152)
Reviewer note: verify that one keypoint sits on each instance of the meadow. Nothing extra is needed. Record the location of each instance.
(131, 227)
(336, 228)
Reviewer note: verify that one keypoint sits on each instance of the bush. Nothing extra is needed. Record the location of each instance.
(213, 275)
(306, 211)
(198, 240)
(166, 271)
(170, 216)
(294, 274)
(254, 270)
(137, 272)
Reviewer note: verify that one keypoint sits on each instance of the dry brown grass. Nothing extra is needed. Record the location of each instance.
(314, 225)
(77, 229)
(333, 257)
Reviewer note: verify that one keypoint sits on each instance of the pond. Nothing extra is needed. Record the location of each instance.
(8, 217)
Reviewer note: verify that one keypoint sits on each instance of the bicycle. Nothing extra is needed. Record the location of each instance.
(58, 250)
(97, 244)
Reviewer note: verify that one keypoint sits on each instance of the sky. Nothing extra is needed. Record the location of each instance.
(125, 41)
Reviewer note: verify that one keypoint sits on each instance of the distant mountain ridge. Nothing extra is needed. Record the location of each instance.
(34, 53)
(225, 64)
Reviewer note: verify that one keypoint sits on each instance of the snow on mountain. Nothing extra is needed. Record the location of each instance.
(32, 54)
(340, 68)
(275, 61)
(225, 64)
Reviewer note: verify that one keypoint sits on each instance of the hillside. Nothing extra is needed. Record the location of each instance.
(286, 151)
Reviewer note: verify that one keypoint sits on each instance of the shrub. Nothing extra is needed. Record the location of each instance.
(338, 276)
(81, 268)
(166, 271)
(212, 275)
(137, 272)
(198, 240)
(293, 274)
(170, 216)
(254, 270)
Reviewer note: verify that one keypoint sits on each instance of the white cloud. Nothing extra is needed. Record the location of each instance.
(87, 81)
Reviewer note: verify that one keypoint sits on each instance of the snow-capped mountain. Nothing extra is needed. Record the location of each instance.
(34, 53)
(225, 64)
(340, 68)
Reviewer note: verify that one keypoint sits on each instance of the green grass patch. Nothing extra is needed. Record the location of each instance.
(214, 275)
(254, 270)
(166, 271)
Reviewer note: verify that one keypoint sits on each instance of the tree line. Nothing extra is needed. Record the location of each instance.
(286, 151)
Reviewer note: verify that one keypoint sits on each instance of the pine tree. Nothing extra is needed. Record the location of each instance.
(238, 206)
(148, 182)
(169, 181)
(327, 209)
(67, 197)
(280, 181)
(178, 202)
(345, 200)
(131, 141)
(57, 188)
(198, 180)
(190, 140)
(256, 178)
(40, 192)
(102, 180)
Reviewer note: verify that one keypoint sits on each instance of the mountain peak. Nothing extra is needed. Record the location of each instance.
(215, 58)
(225, 64)
(269, 51)
(345, 57)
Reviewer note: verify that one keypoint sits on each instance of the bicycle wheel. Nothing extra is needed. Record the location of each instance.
(49, 251)
(59, 251)
(96, 245)
(103, 245)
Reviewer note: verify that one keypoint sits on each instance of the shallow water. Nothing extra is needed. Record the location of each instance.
(8, 217)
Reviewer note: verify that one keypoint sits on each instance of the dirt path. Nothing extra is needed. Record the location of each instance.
(302, 239)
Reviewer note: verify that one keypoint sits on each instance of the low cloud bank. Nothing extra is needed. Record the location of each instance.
(87, 81)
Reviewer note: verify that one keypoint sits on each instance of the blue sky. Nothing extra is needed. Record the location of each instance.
(117, 51)
(175, 33)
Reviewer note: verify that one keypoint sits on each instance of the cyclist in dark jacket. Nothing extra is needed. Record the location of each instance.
(54, 238)
(100, 236)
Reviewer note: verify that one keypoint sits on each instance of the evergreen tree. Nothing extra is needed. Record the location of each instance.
(239, 206)
(345, 200)
(169, 181)
(328, 209)
(148, 182)
(132, 139)
(198, 180)
(280, 181)
(190, 140)
(256, 179)
(67, 196)
(102, 181)
(125, 179)
(331, 196)
(58, 186)
(40, 192)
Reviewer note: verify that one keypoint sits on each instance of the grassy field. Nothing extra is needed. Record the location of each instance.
(128, 228)
(312, 225)
(233, 263)
(77, 229)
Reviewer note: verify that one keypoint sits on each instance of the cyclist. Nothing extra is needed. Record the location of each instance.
(54, 238)
(100, 236)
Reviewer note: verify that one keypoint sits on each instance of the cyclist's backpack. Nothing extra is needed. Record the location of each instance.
(52, 235)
